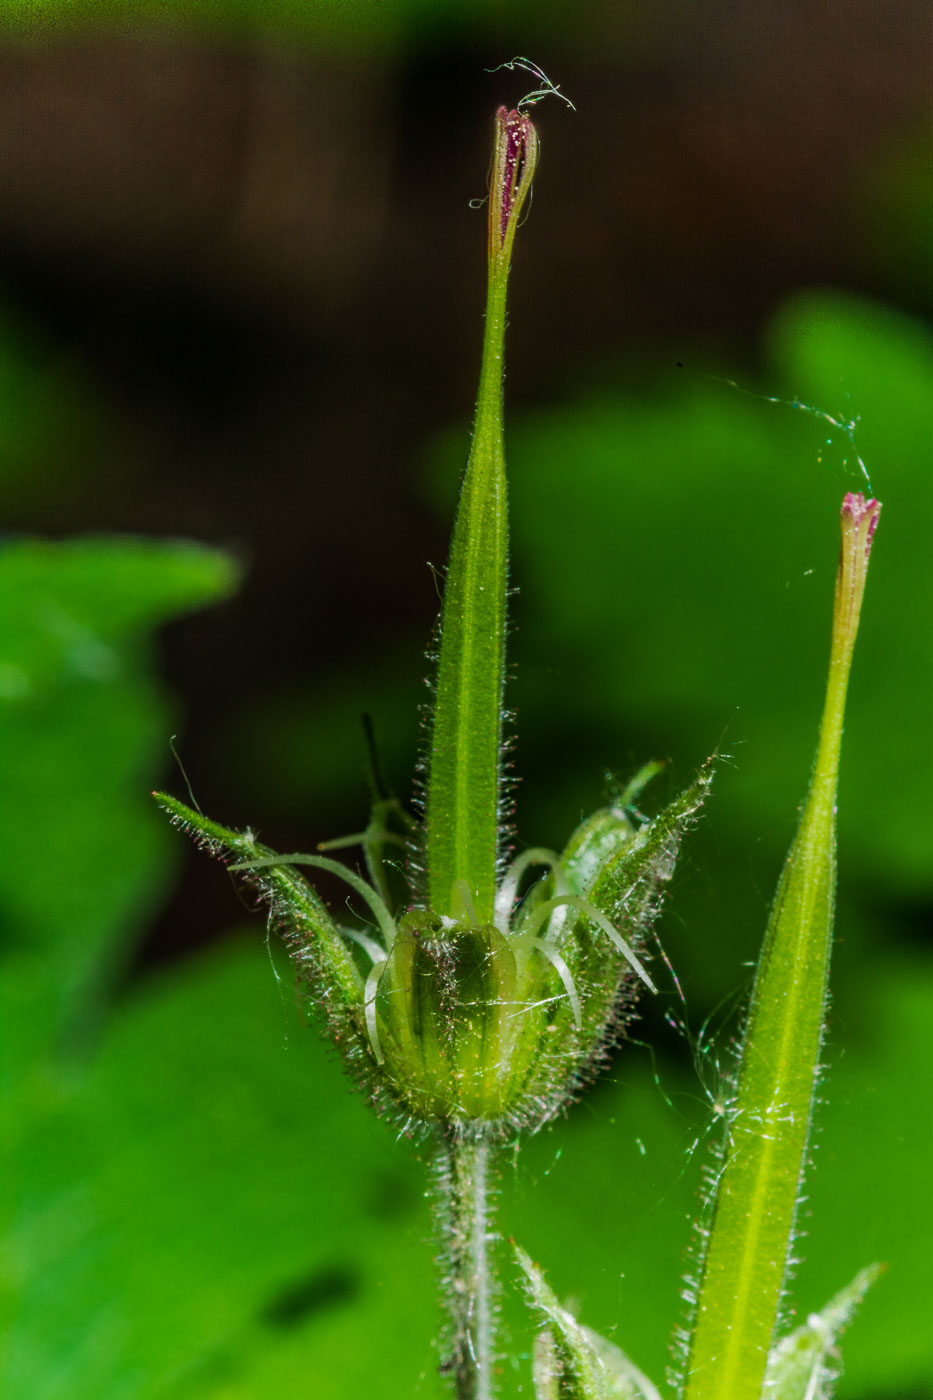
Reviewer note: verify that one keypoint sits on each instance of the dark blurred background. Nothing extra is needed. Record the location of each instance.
(241, 288)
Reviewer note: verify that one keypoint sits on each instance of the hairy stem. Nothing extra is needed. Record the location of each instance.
(463, 790)
(464, 1258)
(752, 1226)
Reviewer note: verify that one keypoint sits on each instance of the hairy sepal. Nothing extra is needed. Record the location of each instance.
(459, 1022)
(748, 1243)
(622, 873)
(599, 839)
(806, 1364)
(571, 1362)
(325, 963)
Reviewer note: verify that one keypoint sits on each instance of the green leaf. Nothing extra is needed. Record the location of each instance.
(66, 608)
(85, 731)
(192, 1207)
(202, 1210)
(571, 1362)
(805, 1365)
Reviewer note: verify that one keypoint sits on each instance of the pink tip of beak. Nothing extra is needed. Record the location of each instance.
(858, 510)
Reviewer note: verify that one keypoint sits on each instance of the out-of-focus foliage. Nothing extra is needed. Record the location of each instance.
(81, 862)
(356, 20)
(205, 1210)
(704, 620)
(186, 1181)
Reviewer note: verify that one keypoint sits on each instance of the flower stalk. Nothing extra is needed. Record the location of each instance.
(472, 997)
(752, 1227)
(467, 1273)
(463, 805)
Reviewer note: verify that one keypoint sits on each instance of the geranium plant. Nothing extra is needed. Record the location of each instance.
(481, 988)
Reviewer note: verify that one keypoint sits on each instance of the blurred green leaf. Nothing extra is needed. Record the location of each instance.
(677, 554)
(85, 730)
(185, 1198)
(208, 1191)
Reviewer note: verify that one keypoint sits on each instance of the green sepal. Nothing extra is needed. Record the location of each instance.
(460, 1021)
(627, 885)
(628, 890)
(313, 939)
(600, 838)
(486, 996)
(805, 1365)
(596, 842)
(571, 1362)
(622, 873)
